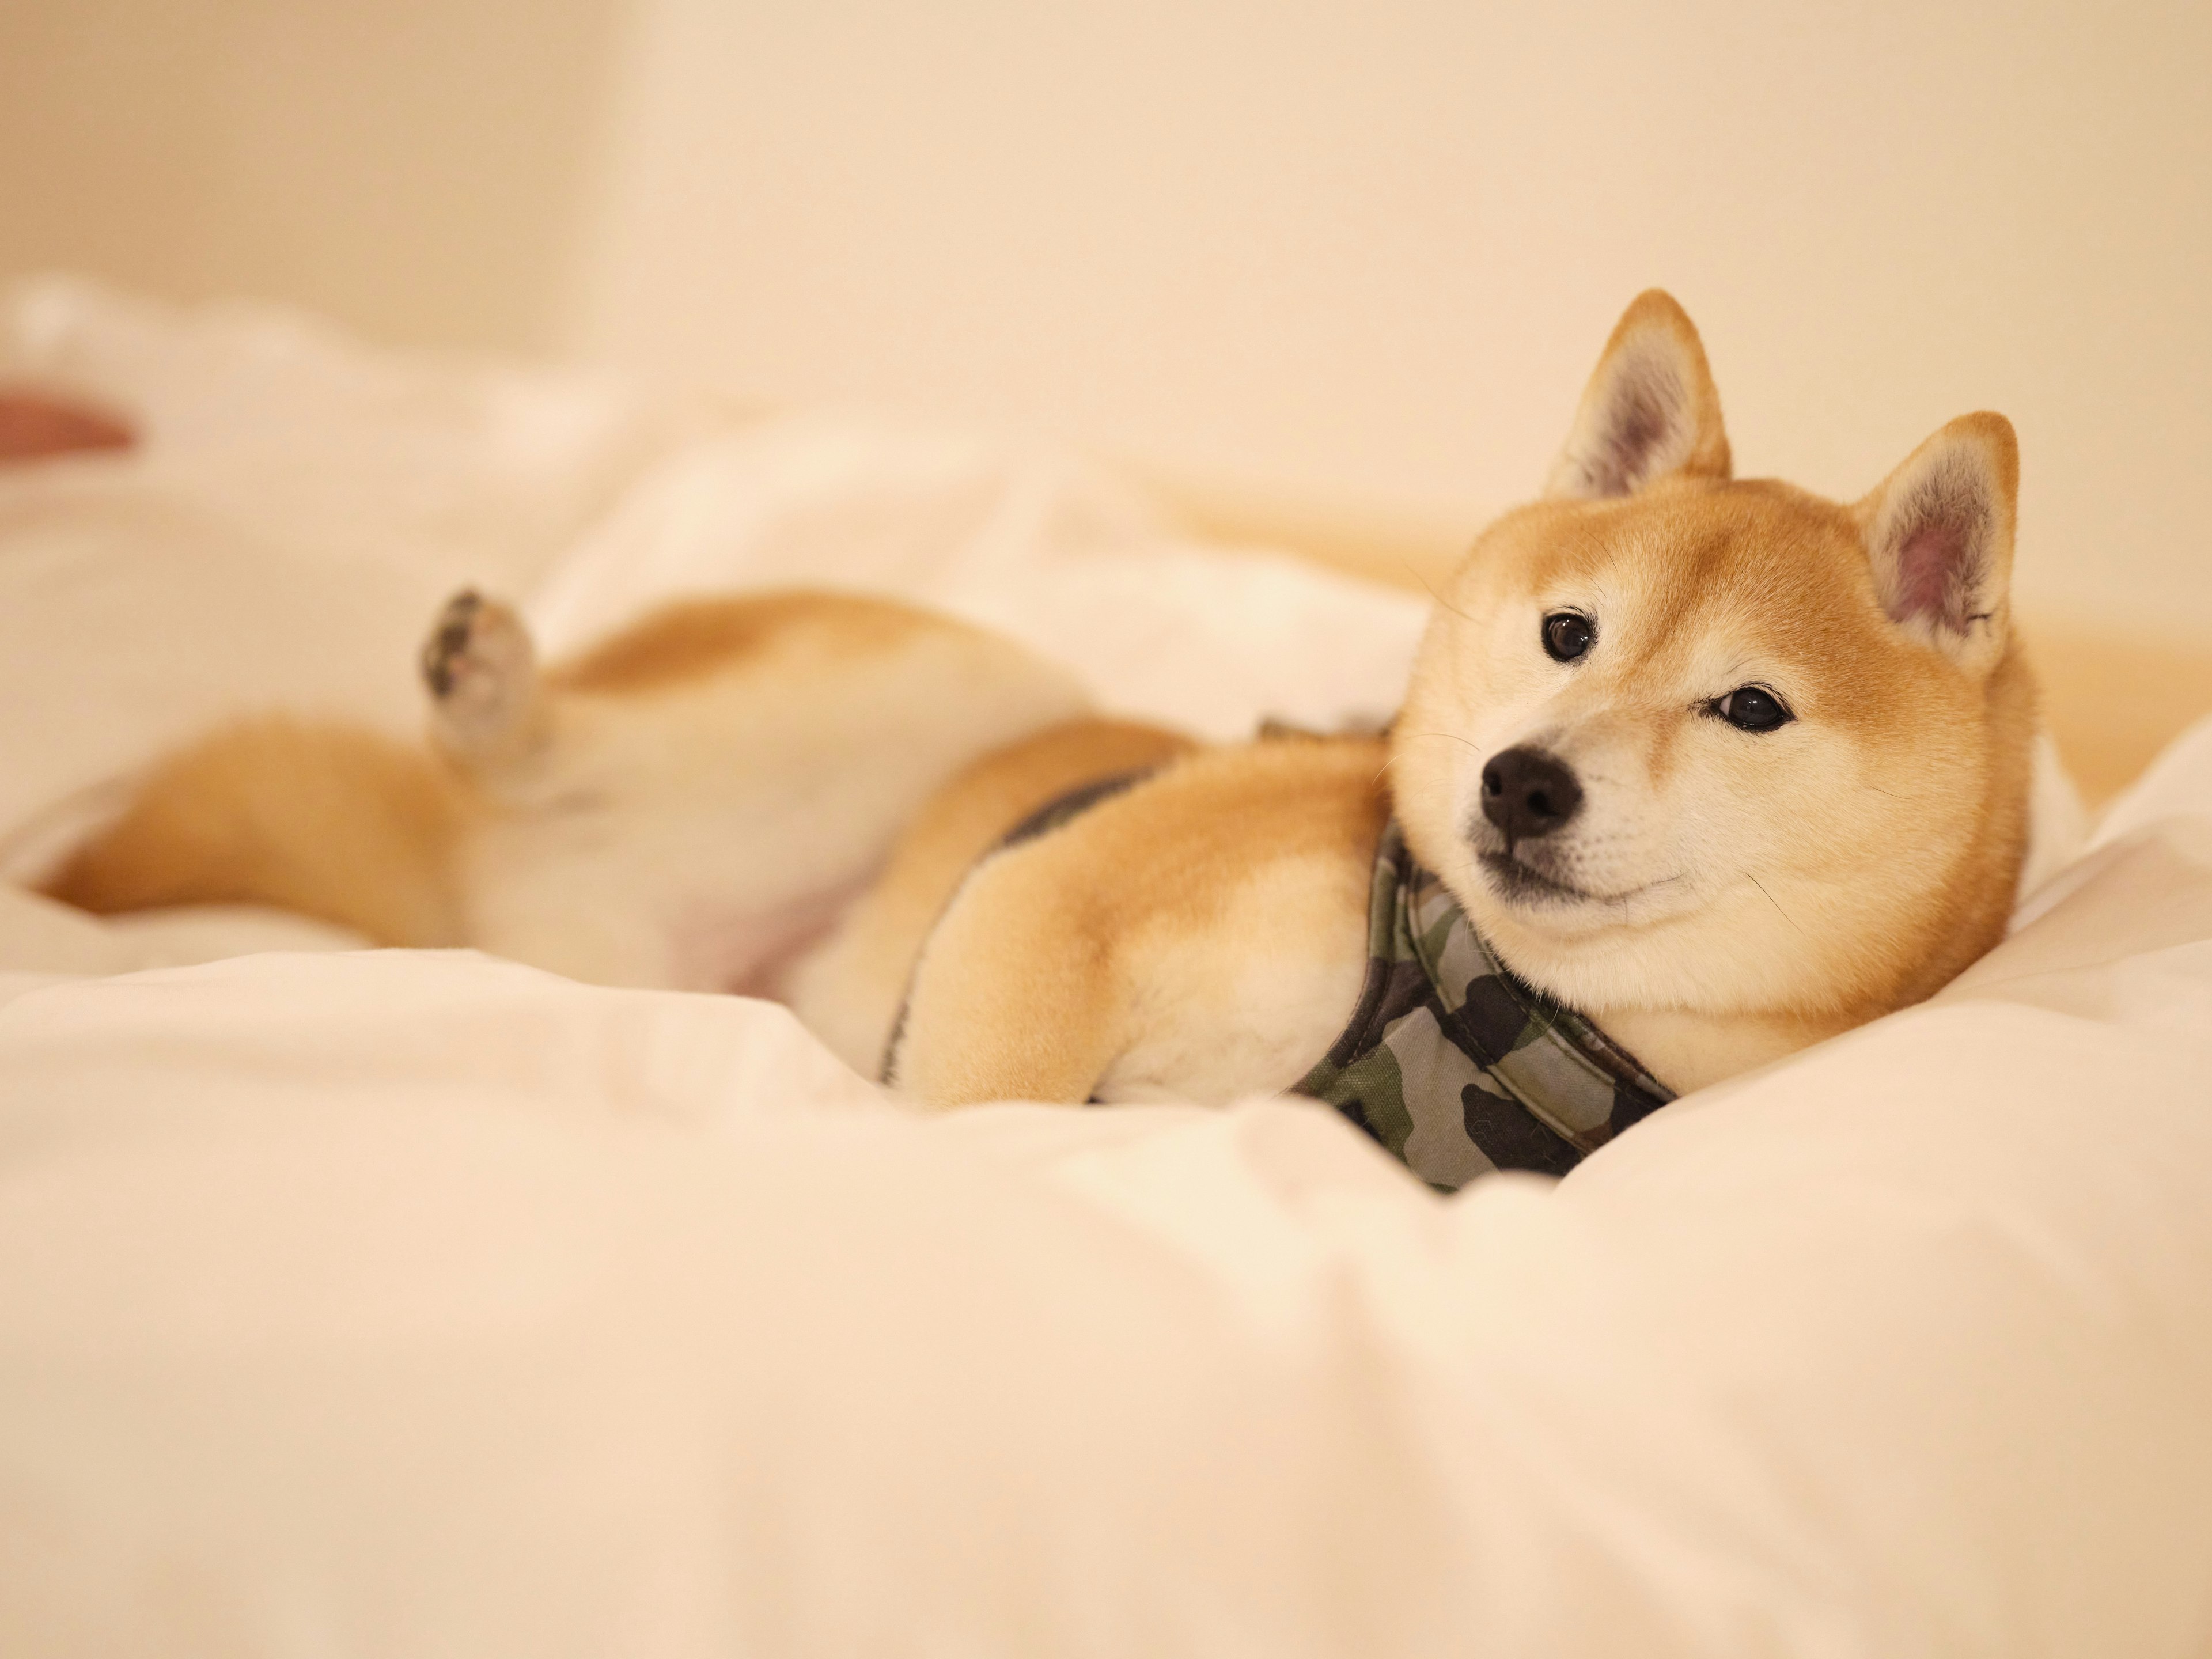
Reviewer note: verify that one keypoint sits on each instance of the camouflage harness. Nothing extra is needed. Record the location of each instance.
(1457, 1066)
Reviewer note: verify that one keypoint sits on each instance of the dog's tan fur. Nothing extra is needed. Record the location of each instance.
(680, 645)
(698, 800)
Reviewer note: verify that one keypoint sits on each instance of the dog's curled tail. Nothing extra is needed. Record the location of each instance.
(331, 821)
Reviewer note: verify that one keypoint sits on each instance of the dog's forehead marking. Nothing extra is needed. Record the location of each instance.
(1683, 577)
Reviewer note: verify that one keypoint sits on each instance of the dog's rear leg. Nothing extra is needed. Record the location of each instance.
(481, 669)
(332, 821)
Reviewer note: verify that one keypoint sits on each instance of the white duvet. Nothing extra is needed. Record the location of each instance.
(390, 1302)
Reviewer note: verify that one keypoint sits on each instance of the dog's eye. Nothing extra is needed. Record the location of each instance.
(1753, 709)
(1567, 635)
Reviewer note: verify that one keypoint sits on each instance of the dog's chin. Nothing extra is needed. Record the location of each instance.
(1553, 903)
(1523, 886)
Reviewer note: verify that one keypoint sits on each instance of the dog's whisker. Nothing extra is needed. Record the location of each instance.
(1413, 570)
(1451, 736)
(1770, 899)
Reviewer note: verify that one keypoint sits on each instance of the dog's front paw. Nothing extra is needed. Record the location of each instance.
(481, 672)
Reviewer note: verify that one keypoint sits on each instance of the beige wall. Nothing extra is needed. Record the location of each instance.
(1355, 257)
(1364, 254)
(411, 167)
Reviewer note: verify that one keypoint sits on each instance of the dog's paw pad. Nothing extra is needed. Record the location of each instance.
(477, 649)
(449, 640)
(481, 672)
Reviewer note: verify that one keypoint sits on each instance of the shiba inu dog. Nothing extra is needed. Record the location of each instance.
(1726, 767)
(1702, 770)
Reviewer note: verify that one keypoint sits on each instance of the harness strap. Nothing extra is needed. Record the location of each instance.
(1456, 1065)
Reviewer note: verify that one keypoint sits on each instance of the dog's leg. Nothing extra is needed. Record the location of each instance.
(328, 820)
(1008, 1004)
(481, 670)
(849, 992)
(1199, 936)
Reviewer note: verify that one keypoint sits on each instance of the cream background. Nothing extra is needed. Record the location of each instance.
(1345, 263)
(411, 167)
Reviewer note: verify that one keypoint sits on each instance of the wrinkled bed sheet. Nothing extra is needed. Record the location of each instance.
(423, 1303)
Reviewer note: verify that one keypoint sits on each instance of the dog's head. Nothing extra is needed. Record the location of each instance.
(1679, 741)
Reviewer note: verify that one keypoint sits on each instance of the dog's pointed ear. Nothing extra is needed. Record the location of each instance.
(1939, 535)
(1650, 409)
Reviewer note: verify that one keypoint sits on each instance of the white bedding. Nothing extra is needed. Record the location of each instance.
(421, 1304)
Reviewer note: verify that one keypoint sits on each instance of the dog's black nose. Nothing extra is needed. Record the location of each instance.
(1526, 793)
